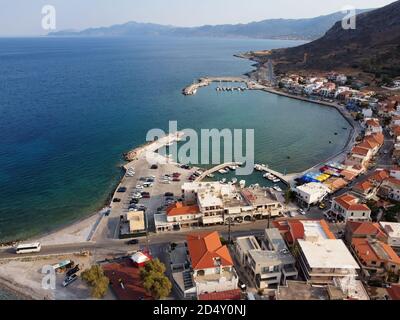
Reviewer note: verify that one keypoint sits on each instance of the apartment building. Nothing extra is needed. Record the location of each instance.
(268, 264)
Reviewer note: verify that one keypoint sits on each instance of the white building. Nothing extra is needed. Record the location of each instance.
(323, 260)
(350, 208)
(392, 230)
(367, 113)
(211, 263)
(312, 193)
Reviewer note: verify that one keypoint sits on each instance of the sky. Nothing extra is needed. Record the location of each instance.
(24, 17)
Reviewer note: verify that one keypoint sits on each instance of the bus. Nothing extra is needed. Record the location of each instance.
(28, 248)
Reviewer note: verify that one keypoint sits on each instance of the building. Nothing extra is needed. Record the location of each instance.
(219, 203)
(178, 216)
(264, 202)
(140, 258)
(133, 225)
(211, 263)
(323, 260)
(377, 258)
(311, 193)
(359, 156)
(365, 229)
(269, 264)
(294, 229)
(365, 189)
(392, 231)
(350, 208)
(373, 126)
(390, 189)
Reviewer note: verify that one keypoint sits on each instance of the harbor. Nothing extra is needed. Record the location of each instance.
(204, 82)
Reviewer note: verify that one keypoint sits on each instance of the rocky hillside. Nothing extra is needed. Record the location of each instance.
(373, 47)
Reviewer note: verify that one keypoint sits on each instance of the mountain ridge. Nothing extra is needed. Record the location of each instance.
(373, 47)
(286, 29)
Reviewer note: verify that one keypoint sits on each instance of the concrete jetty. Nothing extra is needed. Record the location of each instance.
(204, 82)
(215, 169)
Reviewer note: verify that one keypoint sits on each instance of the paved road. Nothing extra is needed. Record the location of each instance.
(113, 246)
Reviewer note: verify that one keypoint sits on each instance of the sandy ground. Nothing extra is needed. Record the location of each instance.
(26, 275)
(75, 233)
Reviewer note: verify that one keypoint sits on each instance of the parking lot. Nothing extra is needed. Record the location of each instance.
(144, 187)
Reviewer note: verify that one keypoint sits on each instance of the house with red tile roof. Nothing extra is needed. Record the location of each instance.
(350, 208)
(378, 137)
(359, 157)
(372, 125)
(295, 229)
(365, 188)
(390, 189)
(211, 263)
(356, 229)
(349, 175)
(232, 295)
(376, 257)
(378, 177)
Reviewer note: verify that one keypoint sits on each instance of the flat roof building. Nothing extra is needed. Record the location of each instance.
(322, 260)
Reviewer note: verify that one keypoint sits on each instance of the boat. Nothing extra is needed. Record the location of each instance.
(223, 181)
(269, 176)
(277, 188)
(276, 180)
(234, 180)
(222, 171)
(210, 175)
(242, 183)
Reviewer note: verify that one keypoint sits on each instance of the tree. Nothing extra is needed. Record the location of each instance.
(96, 279)
(289, 196)
(154, 280)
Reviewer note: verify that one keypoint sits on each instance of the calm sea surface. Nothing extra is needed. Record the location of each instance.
(70, 107)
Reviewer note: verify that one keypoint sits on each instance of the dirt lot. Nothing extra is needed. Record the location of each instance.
(26, 275)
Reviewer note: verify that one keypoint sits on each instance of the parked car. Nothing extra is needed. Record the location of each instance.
(69, 280)
(302, 212)
(132, 242)
(168, 194)
(73, 270)
(121, 190)
(116, 200)
(154, 167)
(176, 180)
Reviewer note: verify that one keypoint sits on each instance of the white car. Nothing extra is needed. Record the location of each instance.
(302, 212)
(293, 214)
(140, 187)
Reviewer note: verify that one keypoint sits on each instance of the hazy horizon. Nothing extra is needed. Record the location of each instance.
(78, 15)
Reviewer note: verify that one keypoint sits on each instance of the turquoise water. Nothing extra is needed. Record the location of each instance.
(70, 107)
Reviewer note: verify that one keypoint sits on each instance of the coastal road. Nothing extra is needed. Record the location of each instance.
(110, 246)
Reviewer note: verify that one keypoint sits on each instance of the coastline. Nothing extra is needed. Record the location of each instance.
(134, 153)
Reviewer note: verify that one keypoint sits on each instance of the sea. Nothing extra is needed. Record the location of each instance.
(70, 108)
